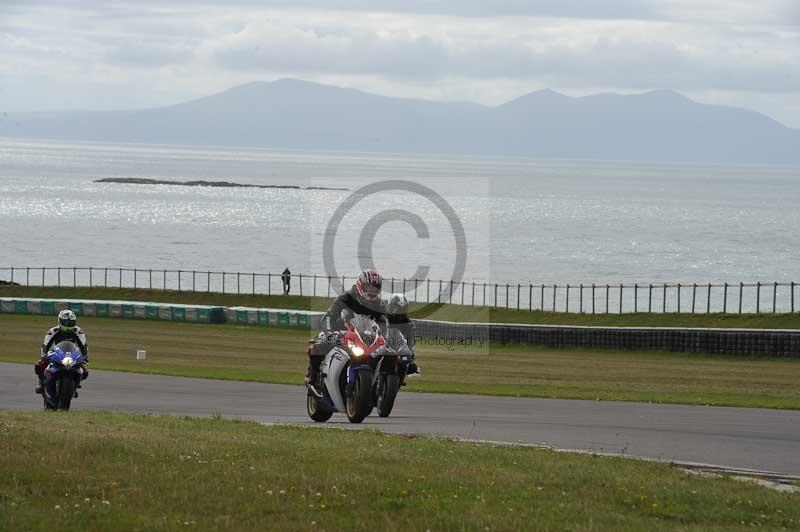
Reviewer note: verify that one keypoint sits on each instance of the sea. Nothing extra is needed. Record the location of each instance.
(497, 220)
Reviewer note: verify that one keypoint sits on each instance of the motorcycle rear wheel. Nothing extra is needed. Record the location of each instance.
(359, 400)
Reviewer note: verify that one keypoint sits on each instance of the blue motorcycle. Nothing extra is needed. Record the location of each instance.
(62, 375)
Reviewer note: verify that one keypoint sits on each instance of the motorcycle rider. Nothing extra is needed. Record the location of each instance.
(363, 298)
(67, 329)
(397, 315)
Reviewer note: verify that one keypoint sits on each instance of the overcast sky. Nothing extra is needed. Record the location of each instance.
(116, 55)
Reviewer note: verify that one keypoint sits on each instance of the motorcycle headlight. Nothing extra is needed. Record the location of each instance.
(356, 351)
(67, 362)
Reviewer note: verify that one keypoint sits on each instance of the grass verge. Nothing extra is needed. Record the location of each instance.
(433, 311)
(131, 472)
(278, 355)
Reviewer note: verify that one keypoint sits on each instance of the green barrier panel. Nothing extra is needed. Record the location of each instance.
(203, 315)
(48, 308)
(127, 311)
(283, 319)
(241, 316)
(178, 314)
(217, 315)
(101, 309)
(151, 312)
(21, 307)
(76, 307)
(263, 317)
(302, 320)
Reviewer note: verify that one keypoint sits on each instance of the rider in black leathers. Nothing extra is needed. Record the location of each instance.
(363, 298)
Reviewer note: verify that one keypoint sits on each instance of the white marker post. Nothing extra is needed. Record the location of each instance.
(141, 355)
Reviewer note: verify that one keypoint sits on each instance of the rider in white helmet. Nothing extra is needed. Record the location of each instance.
(398, 318)
(67, 329)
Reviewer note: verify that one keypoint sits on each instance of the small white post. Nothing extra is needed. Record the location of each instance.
(141, 355)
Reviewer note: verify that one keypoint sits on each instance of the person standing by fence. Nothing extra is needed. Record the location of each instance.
(286, 277)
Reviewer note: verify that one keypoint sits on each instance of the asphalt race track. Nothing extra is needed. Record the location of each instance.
(739, 438)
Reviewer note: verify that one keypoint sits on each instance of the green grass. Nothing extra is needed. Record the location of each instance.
(278, 355)
(432, 311)
(106, 471)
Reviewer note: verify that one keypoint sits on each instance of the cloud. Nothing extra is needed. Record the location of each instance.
(152, 53)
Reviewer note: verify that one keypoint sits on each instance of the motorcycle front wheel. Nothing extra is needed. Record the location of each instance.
(387, 394)
(359, 400)
(65, 388)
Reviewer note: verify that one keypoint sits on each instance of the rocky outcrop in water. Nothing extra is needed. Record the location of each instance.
(200, 183)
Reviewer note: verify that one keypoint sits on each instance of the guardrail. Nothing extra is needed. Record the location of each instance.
(741, 342)
(589, 298)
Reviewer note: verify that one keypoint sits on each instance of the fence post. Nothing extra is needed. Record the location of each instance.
(462, 293)
(450, 295)
(42, 276)
(59, 276)
(120, 277)
(592, 298)
(428, 295)
(566, 304)
(484, 294)
(90, 276)
(708, 301)
(758, 297)
(530, 296)
(12, 275)
(725, 298)
(269, 284)
(792, 297)
(694, 294)
(555, 289)
(404, 285)
(74, 274)
(329, 286)
(774, 296)
(664, 300)
(239, 281)
(314, 289)
(135, 278)
(635, 298)
(416, 281)
(179, 280)
(620, 298)
(580, 305)
(650, 298)
(392, 285)
(301, 284)
(150, 278)
(223, 282)
(194, 281)
(473, 294)
(541, 298)
(506, 295)
(741, 289)
(208, 281)
(439, 295)
(607, 290)
(495, 295)
(105, 277)
(679, 298)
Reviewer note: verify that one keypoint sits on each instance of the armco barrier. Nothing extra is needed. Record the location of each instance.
(746, 342)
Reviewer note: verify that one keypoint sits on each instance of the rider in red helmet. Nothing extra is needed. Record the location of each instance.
(363, 298)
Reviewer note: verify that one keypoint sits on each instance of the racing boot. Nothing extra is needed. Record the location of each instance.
(38, 369)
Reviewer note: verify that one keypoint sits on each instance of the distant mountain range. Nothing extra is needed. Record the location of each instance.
(654, 126)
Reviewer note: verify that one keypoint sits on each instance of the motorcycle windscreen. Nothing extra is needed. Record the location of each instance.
(366, 328)
(68, 348)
